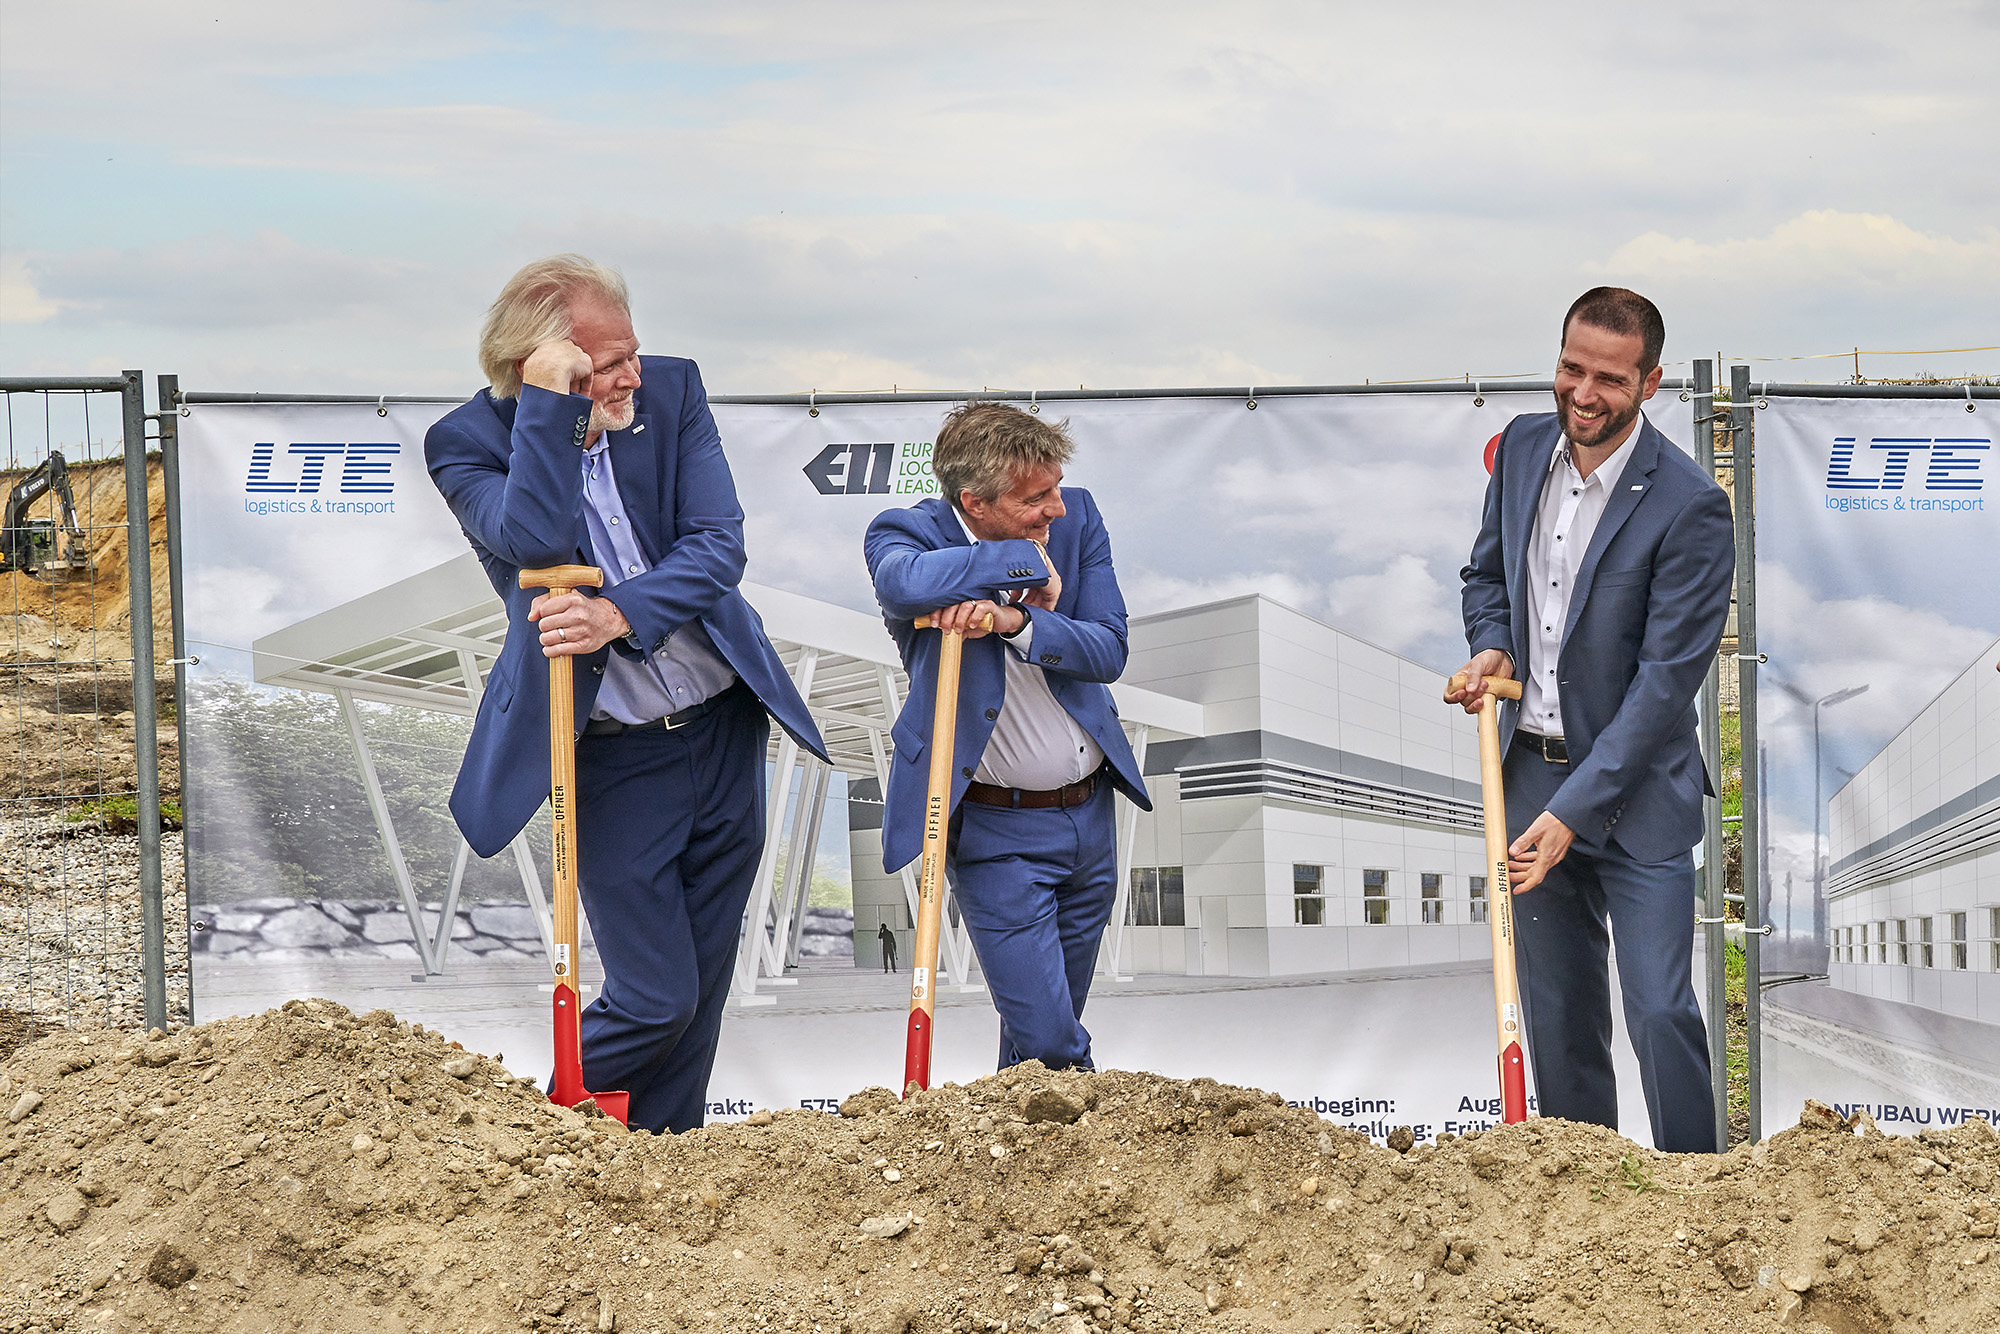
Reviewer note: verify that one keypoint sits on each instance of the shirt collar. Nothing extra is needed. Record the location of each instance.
(1608, 472)
(964, 527)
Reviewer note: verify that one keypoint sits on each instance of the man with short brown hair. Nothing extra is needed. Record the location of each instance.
(1033, 857)
(1600, 579)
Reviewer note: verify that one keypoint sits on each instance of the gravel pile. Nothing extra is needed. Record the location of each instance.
(69, 912)
(313, 1169)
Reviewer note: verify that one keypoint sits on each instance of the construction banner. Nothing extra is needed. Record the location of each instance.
(1306, 898)
(1879, 757)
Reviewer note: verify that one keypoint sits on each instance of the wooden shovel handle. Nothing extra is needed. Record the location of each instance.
(1502, 686)
(924, 622)
(563, 578)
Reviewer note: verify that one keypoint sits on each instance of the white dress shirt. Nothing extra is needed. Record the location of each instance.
(1565, 521)
(1035, 744)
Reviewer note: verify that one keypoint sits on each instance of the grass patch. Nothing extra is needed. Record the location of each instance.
(120, 813)
(1737, 1045)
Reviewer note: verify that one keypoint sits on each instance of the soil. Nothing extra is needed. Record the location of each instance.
(66, 655)
(308, 1168)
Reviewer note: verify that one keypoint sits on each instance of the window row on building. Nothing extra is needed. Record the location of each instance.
(1159, 897)
(1378, 906)
(1942, 941)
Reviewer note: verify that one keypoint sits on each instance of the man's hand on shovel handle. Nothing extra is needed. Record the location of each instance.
(572, 623)
(1491, 662)
(978, 618)
(1534, 854)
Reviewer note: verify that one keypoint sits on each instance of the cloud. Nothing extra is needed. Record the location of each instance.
(1821, 247)
(20, 301)
(1398, 607)
(217, 281)
(1904, 655)
(1148, 591)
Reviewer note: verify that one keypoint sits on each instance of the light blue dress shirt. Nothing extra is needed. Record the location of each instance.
(681, 675)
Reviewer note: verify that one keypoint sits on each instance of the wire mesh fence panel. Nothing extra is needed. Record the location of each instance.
(71, 866)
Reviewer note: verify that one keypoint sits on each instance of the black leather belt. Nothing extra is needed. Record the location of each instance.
(1551, 748)
(1025, 799)
(612, 727)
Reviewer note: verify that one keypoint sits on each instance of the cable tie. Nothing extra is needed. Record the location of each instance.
(381, 405)
(812, 403)
(1033, 406)
(1251, 401)
(1478, 395)
(1752, 657)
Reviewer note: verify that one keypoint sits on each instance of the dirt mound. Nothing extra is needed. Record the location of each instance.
(312, 1169)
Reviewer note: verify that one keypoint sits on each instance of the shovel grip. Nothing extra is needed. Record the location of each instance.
(562, 578)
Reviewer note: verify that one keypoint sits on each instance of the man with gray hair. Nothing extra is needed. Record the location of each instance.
(1023, 569)
(582, 451)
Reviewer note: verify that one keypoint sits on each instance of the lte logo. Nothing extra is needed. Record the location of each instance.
(364, 469)
(1949, 463)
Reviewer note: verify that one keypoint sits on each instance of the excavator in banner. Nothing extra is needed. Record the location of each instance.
(30, 546)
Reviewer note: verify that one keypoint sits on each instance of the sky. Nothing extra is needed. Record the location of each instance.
(875, 195)
(855, 197)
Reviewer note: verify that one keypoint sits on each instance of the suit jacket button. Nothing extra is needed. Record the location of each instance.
(991, 714)
(598, 670)
(967, 772)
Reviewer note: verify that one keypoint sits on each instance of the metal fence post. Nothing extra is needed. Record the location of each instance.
(145, 719)
(1714, 883)
(168, 402)
(1743, 458)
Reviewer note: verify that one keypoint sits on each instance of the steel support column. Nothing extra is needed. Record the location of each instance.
(1111, 958)
(1713, 883)
(145, 716)
(1743, 460)
(378, 806)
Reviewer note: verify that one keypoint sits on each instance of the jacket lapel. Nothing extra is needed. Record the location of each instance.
(1519, 498)
(945, 519)
(1633, 483)
(636, 465)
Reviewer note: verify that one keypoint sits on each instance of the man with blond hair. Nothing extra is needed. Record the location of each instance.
(580, 451)
(1023, 569)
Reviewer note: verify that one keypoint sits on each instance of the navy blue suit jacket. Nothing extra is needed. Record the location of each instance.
(511, 472)
(1648, 610)
(921, 560)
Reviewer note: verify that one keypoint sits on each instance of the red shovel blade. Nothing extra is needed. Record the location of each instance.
(1513, 1086)
(568, 1090)
(917, 1052)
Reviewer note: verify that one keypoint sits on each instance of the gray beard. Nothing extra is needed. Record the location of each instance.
(601, 420)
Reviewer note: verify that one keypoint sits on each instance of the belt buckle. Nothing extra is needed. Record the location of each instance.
(1555, 750)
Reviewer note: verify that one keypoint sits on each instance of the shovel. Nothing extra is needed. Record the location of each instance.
(930, 880)
(567, 1089)
(1500, 902)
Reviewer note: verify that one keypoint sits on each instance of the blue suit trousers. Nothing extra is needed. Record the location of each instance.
(670, 825)
(1035, 888)
(1562, 952)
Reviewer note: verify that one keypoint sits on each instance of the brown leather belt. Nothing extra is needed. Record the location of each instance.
(986, 794)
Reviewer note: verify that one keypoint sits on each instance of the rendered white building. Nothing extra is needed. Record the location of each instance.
(1913, 875)
(1323, 816)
